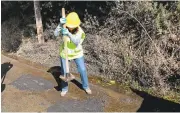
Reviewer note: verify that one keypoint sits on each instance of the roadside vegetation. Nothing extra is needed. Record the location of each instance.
(137, 43)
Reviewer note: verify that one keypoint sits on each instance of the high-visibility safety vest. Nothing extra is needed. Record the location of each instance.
(74, 51)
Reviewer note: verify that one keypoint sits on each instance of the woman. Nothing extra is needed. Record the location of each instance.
(75, 51)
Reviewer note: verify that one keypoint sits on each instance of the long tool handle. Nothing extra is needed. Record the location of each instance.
(65, 44)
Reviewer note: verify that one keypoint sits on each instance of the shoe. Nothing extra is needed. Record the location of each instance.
(88, 91)
(63, 93)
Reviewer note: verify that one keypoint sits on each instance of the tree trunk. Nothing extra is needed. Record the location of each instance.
(39, 25)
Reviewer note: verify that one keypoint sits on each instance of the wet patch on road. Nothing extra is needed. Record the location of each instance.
(33, 83)
(88, 105)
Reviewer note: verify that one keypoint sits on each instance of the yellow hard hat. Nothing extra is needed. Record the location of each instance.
(73, 20)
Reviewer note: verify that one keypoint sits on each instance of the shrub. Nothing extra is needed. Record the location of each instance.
(138, 44)
(10, 35)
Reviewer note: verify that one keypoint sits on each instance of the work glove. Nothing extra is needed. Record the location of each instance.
(62, 20)
(64, 31)
(57, 30)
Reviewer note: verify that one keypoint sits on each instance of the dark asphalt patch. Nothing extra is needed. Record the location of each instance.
(88, 105)
(33, 83)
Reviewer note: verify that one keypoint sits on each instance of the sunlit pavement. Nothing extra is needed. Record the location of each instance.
(27, 88)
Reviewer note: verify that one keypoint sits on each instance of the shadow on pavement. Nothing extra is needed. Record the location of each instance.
(5, 67)
(56, 72)
(155, 104)
(77, 83)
